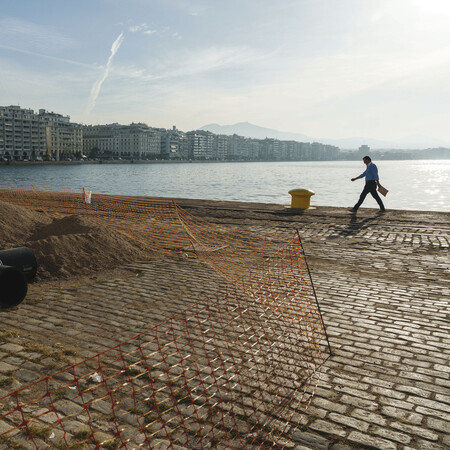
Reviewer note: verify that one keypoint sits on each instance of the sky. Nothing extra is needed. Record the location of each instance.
(328, 68)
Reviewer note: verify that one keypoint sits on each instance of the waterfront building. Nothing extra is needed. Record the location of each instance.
(235, 144)
(201, 144)
(242, 148)
(64, 140)
(332, 152)
(196, 145)
(134, 141)
(364, 149)
(270, 149)
(220, 149)
(25, 134)
(322, 152)
(173, 144)
(292, 151)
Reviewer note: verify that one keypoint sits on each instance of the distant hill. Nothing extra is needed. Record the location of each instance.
(247, 129)
(413, 142)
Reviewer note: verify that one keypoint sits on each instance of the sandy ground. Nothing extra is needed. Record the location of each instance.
(69, 250)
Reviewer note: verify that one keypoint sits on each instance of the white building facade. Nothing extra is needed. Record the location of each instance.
(135, 141)
(25, 134)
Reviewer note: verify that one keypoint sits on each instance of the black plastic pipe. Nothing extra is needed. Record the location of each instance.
(13, 286)
(22, 258)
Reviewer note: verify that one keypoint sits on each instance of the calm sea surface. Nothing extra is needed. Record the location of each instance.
(414, 185)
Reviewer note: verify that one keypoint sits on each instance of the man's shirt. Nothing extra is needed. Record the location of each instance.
(371, 172)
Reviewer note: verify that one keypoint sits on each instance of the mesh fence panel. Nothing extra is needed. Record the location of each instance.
(235, 370)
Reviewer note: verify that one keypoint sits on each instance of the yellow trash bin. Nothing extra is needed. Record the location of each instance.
(300, 198)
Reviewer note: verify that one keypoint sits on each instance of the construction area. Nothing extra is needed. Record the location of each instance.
(155, 323)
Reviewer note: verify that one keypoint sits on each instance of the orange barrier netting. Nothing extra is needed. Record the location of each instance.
(235, 370)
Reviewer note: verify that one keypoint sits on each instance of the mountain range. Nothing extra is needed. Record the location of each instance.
(246, 129)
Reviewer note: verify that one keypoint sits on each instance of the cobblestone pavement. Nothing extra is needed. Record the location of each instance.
(383, 284)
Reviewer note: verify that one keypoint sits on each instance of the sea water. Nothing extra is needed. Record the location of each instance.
(413, 185)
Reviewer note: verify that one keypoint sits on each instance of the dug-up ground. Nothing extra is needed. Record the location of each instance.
(382, 282)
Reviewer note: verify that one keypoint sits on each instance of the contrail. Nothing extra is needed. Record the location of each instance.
(98, 84)
(54, 58)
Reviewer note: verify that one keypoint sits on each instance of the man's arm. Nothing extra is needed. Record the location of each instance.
(361, 176)
(377, 178)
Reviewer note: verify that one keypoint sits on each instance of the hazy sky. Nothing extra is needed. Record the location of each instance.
(324, 68)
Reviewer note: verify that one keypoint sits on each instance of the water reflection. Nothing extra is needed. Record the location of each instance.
(412, 184)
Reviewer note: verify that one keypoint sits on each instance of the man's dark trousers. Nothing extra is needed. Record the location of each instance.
(370, 186)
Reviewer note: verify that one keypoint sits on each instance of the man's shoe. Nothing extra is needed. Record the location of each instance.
(353, 210)
(381, 211)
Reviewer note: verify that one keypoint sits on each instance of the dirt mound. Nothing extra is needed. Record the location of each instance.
(66, 225)
(16, 223)
(72, 254)
(66, 247)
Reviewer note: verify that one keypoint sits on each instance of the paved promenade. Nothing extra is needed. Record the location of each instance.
(383, 284)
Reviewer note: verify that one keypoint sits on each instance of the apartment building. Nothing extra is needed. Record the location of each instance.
(64, 140)
(174, 144)
(25, 134)
(270, 149)
(220, 147)
(134, 141)
(201, 144)
(240, 147)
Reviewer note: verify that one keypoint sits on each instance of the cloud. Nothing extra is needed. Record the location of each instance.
(32, 37)
(143, 27)
(191, 64)
(136, 28)
(95, 91)
(44, 88)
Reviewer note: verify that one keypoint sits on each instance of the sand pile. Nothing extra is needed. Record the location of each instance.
(66, 247)
(16, 223)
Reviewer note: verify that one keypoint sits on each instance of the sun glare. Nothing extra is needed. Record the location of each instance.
(433, 6)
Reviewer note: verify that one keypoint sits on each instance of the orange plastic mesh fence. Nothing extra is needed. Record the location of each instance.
(235, 370)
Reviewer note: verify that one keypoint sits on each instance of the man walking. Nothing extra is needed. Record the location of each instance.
(372, 181)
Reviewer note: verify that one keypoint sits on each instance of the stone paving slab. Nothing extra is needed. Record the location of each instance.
(383, 284)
